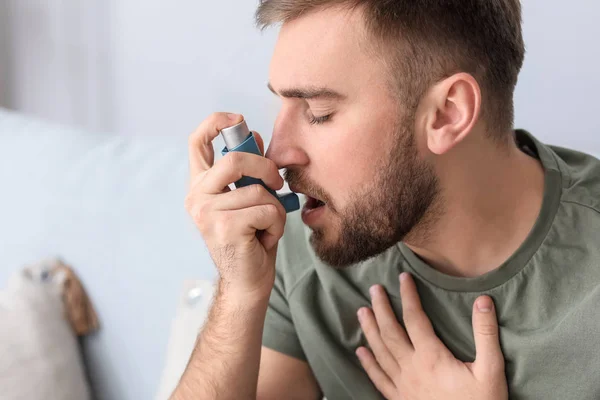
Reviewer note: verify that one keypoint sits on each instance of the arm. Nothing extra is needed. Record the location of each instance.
(225, 362)
(241, 229)
(285, 377)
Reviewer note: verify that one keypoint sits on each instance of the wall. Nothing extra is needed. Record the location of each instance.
(151, 68)
(175, 65)
(55, 62)
(556, 96)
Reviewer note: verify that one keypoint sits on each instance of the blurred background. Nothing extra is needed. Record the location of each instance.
(133, 67)
(99, 98)
(152, 68)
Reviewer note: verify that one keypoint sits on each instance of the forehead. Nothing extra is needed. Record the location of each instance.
(323, 48)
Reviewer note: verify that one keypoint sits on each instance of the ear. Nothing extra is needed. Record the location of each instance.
(452, 110)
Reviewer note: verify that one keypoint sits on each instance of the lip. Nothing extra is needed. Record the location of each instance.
(312, 217)
(299, 190)
(295, 189)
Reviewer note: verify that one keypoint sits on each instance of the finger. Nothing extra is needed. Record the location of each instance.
(201, 152)
(196, 189)
(380, 379)
(369, 327)
(393, 335)
(264, 217)
(259, 142)
(234, 165)
(417, 324)
(489, 359)
(246, 197)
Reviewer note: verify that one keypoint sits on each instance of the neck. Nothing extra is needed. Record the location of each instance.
(489, 202)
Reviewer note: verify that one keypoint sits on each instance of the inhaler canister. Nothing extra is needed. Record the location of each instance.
(240, 138)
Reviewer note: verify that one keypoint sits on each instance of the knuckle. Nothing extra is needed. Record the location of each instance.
(272, 167)
(283, 219)
(214, 117)
(431, 360)
(487, 329)
(389, 336)
(282, 212)
(222, 227)
(271, 210)
(197, 217)
(232, 161)
(409, 315)
(193, 137)
(278, 230)
(234, 157)
(413, 381)
(258, 191)
(263, 211)
(200, 213)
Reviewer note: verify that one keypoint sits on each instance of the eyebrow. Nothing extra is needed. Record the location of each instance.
(308, 93)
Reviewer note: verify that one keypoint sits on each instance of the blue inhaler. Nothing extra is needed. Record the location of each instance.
(239, 138)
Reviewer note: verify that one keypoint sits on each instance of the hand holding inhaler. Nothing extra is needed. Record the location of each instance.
(240, 227)
(239, 138)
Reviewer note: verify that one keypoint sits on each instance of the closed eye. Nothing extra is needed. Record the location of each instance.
(319, 120)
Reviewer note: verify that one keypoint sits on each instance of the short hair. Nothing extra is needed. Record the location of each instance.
(429, 40)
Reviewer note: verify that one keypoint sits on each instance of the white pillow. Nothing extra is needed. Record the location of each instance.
(191, 313)
(39, 353)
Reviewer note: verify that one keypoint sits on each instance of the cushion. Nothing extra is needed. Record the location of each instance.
(39, 352)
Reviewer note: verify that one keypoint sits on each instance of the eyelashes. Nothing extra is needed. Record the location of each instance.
(319, 120)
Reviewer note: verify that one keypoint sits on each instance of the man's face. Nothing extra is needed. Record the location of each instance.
(352, 148)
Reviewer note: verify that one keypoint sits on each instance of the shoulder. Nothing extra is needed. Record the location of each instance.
(581, 179)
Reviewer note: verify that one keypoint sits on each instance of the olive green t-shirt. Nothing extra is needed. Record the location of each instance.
(547, 296)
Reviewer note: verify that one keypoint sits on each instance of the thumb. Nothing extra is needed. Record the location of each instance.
(259, 142)
(488, 359)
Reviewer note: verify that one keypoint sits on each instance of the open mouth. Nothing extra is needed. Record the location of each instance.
(313, 208)
(312, 203)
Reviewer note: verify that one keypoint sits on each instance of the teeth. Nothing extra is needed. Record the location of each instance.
(314, 202)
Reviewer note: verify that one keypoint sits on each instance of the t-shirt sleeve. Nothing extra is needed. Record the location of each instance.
(279, 333)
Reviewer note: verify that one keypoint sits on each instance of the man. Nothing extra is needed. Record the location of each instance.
(422, 206)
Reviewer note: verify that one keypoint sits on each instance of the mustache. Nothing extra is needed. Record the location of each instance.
(299, 179)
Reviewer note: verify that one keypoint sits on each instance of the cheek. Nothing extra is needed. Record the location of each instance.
(350, 165)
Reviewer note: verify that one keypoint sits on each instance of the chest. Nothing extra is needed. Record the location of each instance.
(558, 357)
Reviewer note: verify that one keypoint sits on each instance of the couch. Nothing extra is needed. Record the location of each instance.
(112, 207)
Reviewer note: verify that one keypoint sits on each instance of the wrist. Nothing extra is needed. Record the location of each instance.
(242, 297)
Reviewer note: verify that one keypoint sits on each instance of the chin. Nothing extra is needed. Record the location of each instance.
(330, 249)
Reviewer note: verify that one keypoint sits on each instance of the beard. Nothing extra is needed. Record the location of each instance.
(398, 204)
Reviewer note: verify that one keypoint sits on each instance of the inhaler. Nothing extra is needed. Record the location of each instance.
(239, 138)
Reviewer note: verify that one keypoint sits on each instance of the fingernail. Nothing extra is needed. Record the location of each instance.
(484, 304)
(358, 352)
(360, 314)
(403, 276)
(233, 117)
(373, 290)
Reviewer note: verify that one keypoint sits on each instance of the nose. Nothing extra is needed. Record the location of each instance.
(286, 147)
